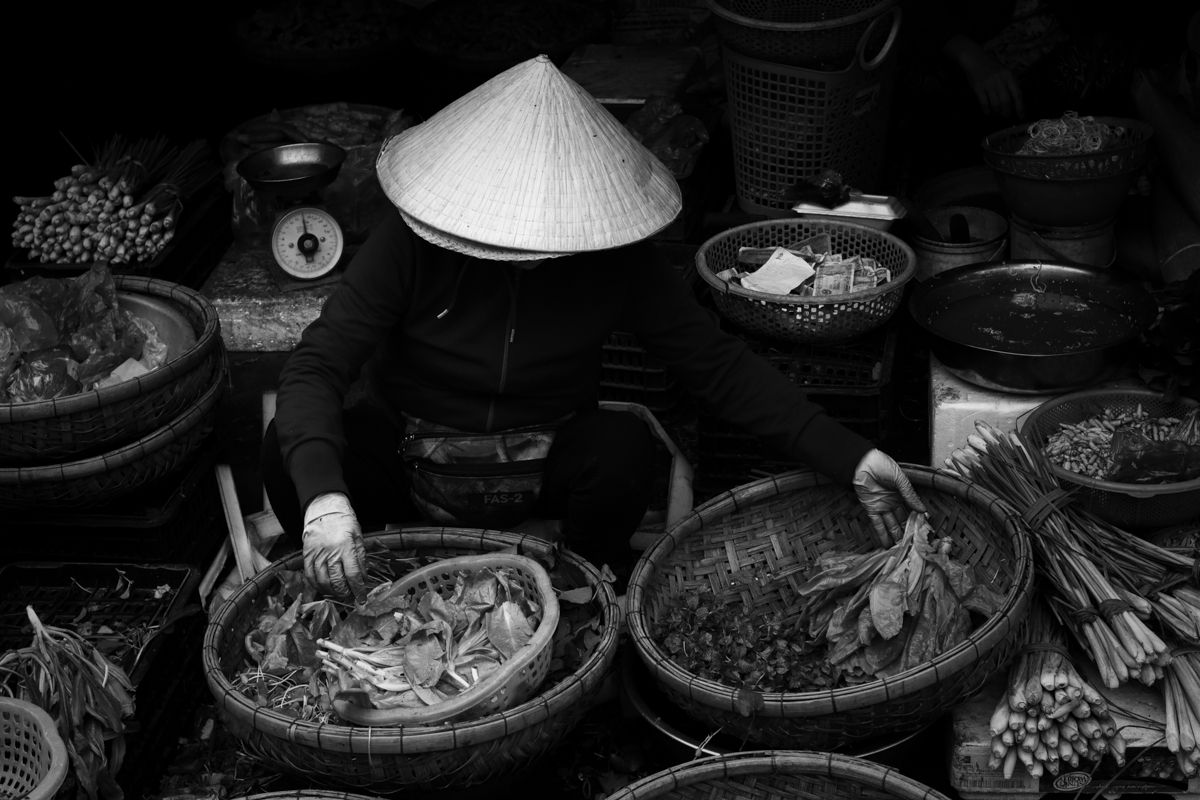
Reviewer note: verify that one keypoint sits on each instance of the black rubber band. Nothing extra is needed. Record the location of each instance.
(1111, 608)
(1042, 647)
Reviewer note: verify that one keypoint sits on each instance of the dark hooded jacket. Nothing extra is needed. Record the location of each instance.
(483, 346)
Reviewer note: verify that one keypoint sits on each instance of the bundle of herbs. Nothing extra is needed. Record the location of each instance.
(864, 616)
(1104, 584)
(391, 649)
(1049, 716)
(87, 695)
(1181, 690)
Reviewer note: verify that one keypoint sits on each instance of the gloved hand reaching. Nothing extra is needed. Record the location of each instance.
(886, 494)
(333, 545)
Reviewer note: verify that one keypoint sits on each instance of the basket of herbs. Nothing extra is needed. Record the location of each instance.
(473, 653)
(773, 614)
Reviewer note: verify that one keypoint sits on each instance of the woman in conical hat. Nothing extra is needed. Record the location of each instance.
(478, 312)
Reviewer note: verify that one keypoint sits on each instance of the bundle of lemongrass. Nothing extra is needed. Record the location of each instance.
(1182, 692)
(1105, 583)
(1049, 716)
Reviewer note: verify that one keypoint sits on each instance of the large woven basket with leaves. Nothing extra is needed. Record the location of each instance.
(425, 757)
(770, 774)
(734, 545)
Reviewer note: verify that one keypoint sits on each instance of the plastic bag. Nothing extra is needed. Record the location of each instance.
(673, 137)
(101, 361)
(824, 189)
(44, 375)
(1139, 459)
(8, 359)
(1188, 429)
(32, 328)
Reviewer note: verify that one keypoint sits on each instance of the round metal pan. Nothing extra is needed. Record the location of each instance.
(292, 170)
(1032, 327)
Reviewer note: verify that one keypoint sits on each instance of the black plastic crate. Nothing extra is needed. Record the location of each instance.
(122, 596)
(851, 381)
(628, 374)
(179, 519)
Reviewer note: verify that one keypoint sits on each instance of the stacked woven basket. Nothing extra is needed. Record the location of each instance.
(87, 449)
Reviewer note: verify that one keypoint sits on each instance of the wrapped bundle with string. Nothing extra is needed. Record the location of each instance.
(1049, 716)
(1181, 690)
(1104, 583)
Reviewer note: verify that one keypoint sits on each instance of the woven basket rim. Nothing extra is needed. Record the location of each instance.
(800, 27)
(818, 226)
(426, 739)
(315, 794)
(779, 762)
(799, 704)
(127, 390)
(1140, 490)
(149, 444)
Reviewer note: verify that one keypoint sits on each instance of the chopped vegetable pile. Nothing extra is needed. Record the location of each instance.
(1128, 447)
(864, 616)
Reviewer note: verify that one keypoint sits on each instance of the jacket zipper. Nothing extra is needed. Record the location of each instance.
(510, 332)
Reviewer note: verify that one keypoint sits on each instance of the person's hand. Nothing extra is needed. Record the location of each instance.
(886, 494)
(994, 85)
(333, 546)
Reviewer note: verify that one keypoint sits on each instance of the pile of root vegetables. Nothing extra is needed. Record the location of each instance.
(1132, 607)
(121, 206)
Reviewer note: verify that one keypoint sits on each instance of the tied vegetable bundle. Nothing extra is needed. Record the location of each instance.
(122, 206)
(864, 617)
(1049, 716)
(1181, 691)
(1105, 585)
(87, 695)
(388, 650)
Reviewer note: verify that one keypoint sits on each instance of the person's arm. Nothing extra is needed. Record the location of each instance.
(994, 85)
(368, 302)
(727, 379)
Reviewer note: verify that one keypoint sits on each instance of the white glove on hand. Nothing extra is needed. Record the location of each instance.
(333, 546)
(886, 494)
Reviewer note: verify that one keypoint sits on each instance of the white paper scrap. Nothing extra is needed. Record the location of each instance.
(783, 272)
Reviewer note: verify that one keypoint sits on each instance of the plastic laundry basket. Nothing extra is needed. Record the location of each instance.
(790, 123)
(33, 759)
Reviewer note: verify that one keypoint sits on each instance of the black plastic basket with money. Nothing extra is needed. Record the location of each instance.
(795, 318)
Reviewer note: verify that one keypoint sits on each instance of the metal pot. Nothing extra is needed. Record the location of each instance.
(1032, 327)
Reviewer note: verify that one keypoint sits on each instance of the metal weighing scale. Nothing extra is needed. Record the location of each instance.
(306, 241)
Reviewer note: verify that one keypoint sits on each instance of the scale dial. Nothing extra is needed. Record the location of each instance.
(307, 242)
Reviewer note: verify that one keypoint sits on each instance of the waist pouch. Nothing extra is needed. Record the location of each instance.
(479, 480)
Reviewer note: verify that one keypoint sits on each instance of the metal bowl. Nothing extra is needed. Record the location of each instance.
(292, 170)
(1032, 327)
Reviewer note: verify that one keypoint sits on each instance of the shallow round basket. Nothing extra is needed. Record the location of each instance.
(33, 758)
(1126, 505)
(1067, 190)
(100, 479)
(822, 35)
(430, 757)
(90, 423)
(769, 774)
(807, 319)
(514, 682)
(736, 543)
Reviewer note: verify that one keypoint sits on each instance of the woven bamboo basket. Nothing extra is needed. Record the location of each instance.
(767, 775)
(99, 479)
(307, 794)
(440, 756)
(807, 319)
(90, 423)
(734, 543)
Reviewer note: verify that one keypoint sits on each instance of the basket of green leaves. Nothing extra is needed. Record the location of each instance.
(771, 611)
(456, 668)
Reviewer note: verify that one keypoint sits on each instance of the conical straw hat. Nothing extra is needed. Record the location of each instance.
(527, 166)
